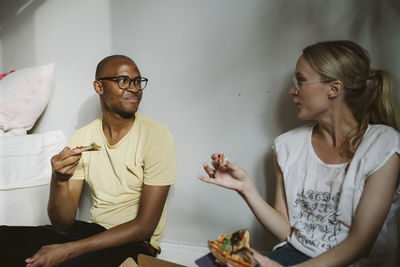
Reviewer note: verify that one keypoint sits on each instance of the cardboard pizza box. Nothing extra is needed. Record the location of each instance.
(148, 261)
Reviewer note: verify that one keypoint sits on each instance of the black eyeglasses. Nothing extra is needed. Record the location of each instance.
(124, 81)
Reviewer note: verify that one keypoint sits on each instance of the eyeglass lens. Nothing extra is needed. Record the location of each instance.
(125, 82)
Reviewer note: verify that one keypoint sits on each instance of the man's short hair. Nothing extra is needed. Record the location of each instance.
(104, 62)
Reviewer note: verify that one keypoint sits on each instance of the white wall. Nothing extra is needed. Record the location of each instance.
(218, 74)
(75, 35)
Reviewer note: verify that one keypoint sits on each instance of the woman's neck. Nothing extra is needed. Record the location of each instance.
(336, 128)
(330, 134)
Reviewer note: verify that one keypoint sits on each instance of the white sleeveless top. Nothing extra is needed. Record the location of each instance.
(322, 198)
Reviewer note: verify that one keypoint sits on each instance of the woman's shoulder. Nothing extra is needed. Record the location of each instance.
(380, 134)
(295, 135)
(382, 128)
(379, 143)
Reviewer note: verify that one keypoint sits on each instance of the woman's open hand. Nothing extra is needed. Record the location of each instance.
(226, 174)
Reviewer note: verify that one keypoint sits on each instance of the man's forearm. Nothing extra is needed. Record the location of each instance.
(141, 228)
(119, 235)
(60, 208)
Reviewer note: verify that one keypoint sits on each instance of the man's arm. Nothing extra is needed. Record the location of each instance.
(142, 227)
(64, 193)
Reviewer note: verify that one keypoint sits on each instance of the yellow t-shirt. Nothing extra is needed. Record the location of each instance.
(115, 174)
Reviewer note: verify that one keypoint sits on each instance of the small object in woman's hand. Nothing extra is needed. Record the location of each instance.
(223, 158)
(92, 147)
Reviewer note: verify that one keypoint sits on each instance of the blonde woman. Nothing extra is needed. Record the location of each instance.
(337, 177)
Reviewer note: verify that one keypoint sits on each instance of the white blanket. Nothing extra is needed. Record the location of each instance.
(25, 159)
(25, 206)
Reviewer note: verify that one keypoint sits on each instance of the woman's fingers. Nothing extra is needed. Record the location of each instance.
(217, 163)
(214, 156)
(209, 170)
(207, 179)
(219, 157)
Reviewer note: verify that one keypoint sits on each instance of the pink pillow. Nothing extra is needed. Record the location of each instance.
(2, 75)
(23, 96)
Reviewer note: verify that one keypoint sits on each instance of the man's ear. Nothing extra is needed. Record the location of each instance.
(336, 88)
(98, 87)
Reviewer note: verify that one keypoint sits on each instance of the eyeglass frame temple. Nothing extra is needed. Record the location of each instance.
(297, 84)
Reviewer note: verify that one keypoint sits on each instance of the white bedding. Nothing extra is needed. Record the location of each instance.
(25, 206)
(25, 173)
(25, 159)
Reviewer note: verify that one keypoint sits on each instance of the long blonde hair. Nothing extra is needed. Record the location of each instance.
(369, 93)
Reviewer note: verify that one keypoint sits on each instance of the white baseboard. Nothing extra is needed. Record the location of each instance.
(182, 254)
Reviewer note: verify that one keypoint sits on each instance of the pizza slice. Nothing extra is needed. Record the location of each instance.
(92, 147)
(233, 248)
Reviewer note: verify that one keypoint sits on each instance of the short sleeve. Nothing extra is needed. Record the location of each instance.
(382, 142)
(160, 159)
(289, 146)
(79, 173)
(280, 153)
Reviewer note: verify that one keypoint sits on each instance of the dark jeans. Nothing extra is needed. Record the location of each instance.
(287, 255)
(19, 242)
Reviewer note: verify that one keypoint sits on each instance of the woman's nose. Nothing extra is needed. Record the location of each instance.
(292, 90)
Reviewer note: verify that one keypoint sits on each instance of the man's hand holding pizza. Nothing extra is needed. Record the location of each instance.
(64, 164)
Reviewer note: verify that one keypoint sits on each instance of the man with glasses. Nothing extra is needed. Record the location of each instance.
(129, 178)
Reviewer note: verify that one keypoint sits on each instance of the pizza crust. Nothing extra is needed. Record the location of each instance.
(238, 255)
